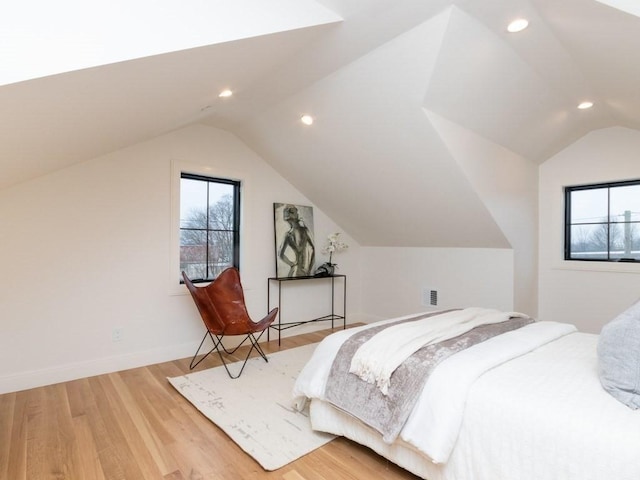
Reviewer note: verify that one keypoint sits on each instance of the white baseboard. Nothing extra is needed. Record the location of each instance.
(72, 371)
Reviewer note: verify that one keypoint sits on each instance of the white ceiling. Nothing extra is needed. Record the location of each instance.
(374, 73)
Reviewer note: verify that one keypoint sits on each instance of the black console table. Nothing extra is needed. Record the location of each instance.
(333, 316)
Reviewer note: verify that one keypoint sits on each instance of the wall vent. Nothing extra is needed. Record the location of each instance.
(429, 297)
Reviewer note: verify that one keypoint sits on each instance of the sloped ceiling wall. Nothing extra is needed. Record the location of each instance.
(80, 81)
(482, 83)
(372, 159)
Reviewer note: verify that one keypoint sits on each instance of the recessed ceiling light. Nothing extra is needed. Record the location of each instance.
(518, 25)
(225, 93)
(585, 105)
(306, 119)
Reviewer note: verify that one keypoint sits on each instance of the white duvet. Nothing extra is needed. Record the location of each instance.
(541, 416)
(434, 425)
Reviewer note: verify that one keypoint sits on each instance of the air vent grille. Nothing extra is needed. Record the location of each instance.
(433, 297)
(429, 297)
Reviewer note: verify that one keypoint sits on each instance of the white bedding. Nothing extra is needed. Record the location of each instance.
(440, 407)
(546, 416)
(542, 415)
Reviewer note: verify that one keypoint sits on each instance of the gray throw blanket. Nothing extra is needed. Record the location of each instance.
(388, 413)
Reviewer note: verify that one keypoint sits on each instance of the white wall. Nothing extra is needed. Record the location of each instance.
(393, 279)
(507, 184)
(87, 249)
(588, 295)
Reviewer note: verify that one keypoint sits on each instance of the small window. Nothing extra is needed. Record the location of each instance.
(209, 226)
(602, 222)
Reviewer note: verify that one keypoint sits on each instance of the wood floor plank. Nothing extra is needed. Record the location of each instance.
(90, 466)
(293, 475)
(200, 447)
(63, 458)
(7, 405)
(136, 462)
(133, 425)
(100, 414)
(16, 467)
(144, 433)
(38, 433)
(77, 392)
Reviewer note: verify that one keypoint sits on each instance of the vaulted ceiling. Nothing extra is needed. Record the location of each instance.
(380, 77)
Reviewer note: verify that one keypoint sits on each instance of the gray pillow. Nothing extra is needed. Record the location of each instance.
(619, 357)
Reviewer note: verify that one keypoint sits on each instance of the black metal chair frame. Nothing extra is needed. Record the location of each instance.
(217, 343)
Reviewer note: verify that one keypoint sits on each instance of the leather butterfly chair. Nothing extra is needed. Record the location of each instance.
(224, 313)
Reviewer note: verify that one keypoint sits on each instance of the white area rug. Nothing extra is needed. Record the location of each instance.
(256, 410)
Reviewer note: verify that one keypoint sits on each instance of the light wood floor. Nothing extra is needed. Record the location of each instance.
(133, 425)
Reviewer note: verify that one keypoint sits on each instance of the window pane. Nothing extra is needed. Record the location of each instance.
(589, 242)
(634, 254)
(589, 206)
(193, 201)
(625, 204)
(220, 251)
(193, 253)
(625, 240)
(221, 207)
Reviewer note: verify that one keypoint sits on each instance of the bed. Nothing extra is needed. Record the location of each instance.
(526, 404)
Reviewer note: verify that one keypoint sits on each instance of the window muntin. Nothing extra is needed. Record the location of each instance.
(209, 225)
(602, 222)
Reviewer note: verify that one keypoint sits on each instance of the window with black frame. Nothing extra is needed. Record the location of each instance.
(602, 222)
(209, 226)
